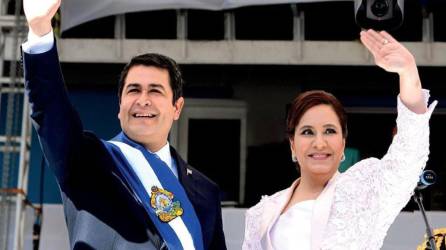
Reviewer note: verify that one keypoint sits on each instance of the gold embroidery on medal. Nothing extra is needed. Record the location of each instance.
(165, 208)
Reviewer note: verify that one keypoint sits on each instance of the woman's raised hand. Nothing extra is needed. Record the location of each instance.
(389, 54)
(392, 56)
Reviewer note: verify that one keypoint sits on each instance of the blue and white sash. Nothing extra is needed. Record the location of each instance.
(143, 171)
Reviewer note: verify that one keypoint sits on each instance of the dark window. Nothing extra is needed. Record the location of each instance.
(151, 25)
(330, 21)
(99, 28)
(411, 29)
(268, 169)
(205, 25)
(99, 74)
(435, 196)
(11, 7)
(271, 22)
(214, 149)
(363, 135)
(438, 8)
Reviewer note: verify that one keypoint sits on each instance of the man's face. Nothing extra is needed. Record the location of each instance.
(146, 111)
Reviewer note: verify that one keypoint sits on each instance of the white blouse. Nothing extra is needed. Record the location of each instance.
(293, 228)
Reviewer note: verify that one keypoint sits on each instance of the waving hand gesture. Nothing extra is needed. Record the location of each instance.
(39, 14)
(392, 56)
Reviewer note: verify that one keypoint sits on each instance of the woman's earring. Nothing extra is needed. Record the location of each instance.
(343, 157)
(294, 158)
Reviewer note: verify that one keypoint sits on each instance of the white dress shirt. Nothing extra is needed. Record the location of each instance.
(166, 157)
(38, 45)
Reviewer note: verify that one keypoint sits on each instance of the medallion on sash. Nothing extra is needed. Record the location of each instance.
(165, 208)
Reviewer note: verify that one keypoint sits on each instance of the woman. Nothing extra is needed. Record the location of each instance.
(324, 209)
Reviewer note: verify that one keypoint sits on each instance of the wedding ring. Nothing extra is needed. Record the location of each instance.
(385, 41)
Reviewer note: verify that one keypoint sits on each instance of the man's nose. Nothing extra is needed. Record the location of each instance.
(144, 100)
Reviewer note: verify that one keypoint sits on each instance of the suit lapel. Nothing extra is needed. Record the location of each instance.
(185, 176)
(190, 180)
(273, 209)
(321, 212)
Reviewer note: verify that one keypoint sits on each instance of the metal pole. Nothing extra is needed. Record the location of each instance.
(419, 200)
(4, 223)
(22, 182)
(229, 25)
(12, 122)
(298, 29)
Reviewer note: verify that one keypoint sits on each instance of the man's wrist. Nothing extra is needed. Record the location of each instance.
(35, 34)
(37, 45)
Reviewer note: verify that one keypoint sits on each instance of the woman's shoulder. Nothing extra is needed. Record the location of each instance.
(258, 216)
(271, 198)
(258, 208)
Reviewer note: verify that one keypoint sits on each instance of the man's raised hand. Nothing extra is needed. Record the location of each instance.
(39, 14)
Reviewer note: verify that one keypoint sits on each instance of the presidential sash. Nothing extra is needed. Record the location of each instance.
(159, 192)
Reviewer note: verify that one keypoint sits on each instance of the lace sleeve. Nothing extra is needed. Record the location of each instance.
(370, 194)
(252, 227)
(400, 168)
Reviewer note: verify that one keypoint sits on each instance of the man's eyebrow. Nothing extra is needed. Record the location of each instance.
(133, 85)
(151, 85)
(156, 85)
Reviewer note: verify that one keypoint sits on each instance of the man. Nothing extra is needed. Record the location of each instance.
(133, 192)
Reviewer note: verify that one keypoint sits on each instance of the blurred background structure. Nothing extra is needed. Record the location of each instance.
(15, 129)
(243, 64)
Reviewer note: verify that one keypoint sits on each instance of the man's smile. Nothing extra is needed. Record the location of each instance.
(144, 115)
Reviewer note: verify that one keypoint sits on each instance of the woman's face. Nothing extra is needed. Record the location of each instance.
(318, 143)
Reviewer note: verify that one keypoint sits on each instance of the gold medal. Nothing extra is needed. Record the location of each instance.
(165, 208)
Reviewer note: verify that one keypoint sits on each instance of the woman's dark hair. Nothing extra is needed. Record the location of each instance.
(158, 61)
(309, 99)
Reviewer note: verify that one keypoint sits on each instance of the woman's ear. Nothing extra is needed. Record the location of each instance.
(291, 140)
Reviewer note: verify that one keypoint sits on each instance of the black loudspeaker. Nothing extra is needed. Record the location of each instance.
(379, 14)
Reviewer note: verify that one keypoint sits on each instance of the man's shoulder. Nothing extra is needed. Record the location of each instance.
(202, 177)
(93, 146)
(191, 172)
(203, 180)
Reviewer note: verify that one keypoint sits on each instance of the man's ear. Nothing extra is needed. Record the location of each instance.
(178, 106)
(119, 112)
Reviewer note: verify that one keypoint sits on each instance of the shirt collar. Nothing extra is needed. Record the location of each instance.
(164, 155)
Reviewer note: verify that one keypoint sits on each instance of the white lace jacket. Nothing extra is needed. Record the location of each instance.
(356, 208)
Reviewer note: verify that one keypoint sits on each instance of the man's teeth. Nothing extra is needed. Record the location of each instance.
(144, 115)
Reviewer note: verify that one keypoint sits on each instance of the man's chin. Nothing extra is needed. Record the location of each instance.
(141, 137)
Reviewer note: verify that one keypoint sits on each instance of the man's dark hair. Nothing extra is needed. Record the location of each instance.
(158, 61)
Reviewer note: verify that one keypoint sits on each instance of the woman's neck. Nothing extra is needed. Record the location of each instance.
(307, 189)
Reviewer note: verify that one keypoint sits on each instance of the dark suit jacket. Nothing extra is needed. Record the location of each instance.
(101, 210)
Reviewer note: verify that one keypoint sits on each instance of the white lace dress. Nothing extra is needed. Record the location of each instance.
(366, 198)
